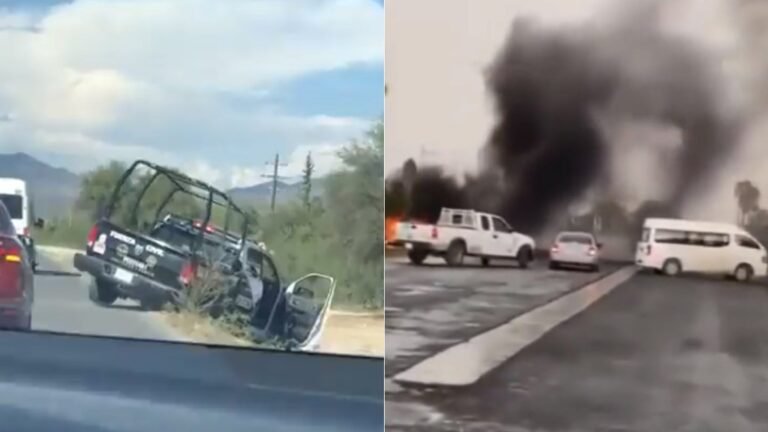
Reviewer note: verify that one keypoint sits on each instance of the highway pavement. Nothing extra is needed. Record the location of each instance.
(655, 354)
(62, 305)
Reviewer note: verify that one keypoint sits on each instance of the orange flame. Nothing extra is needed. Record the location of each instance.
(390, 228)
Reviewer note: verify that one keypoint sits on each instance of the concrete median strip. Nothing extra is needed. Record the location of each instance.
(465, 363)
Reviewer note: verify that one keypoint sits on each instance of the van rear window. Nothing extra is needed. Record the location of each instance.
(14, 204)
(646, 235)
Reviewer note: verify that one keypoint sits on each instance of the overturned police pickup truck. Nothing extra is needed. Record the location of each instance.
(169, 258)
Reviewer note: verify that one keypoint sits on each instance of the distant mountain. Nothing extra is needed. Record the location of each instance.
(262, 193)
(54, 190)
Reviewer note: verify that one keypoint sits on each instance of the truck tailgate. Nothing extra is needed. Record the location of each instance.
(138, 253)
(414, 232)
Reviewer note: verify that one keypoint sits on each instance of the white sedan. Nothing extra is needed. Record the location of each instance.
(572, 248)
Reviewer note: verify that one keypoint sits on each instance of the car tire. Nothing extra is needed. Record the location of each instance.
(417, 256)
(524, 256)
(553, 265)
(743, 273)
(102, 292)
(485, 262)
(595, 268)
(454, 256)
(672, 267)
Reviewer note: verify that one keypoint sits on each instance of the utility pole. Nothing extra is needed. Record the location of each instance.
(274, 178)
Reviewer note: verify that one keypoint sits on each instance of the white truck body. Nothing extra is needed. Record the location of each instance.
(460, 233)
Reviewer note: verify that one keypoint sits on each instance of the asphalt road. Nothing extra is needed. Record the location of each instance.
(656, 354)
(62, 305)
(432, 307)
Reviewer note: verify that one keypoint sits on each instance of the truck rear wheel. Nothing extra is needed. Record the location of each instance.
(417, 256)
(152, 305)
(454, 256)
(102, 292)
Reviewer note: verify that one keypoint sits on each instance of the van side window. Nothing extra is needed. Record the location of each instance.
(746, 242)
(670, 236)
(692, 238)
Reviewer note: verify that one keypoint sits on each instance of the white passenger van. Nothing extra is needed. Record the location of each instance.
(672, 246)
(15, 196)
(13, 193)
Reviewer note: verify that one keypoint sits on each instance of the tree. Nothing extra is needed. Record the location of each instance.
(748, 198)
(97, 186)
(306, 183)
(354, 201)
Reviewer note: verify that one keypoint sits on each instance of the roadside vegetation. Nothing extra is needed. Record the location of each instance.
(338, 233)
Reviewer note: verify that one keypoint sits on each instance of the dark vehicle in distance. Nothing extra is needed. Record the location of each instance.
(16, 277)
(170, 260)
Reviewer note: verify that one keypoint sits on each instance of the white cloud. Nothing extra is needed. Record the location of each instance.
(228, 45)
(120, 79)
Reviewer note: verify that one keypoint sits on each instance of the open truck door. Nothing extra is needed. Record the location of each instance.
(308, 301)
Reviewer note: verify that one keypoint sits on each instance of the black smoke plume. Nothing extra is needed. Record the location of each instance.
(551, 89)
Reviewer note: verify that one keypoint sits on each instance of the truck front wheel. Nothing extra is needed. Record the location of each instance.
(524, 256)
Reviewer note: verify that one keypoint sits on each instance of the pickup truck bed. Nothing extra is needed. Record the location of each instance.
(134, 265)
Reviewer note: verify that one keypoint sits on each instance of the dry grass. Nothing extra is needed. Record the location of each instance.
(357, 334)
(354, 334)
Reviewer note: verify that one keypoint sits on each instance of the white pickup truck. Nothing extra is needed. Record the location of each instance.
(459, 233)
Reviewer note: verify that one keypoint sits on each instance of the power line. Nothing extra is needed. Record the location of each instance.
(274, 176)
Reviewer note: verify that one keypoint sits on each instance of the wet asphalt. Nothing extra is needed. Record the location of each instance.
(657, 354)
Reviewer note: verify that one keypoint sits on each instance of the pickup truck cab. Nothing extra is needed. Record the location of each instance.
(459, 233)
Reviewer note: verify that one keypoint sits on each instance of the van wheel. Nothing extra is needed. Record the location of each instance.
(102, 292)
(485, 262)
(455, 254)
(743, 273)
(417, 256)
(524, 256)
(671, 267)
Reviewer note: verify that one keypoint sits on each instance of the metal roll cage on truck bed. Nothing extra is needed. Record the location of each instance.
(177, 179)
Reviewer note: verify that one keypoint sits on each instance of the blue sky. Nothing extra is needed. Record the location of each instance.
(215, 88)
